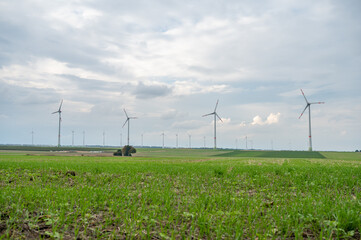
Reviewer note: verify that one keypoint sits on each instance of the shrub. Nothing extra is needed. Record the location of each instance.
(118, 153)
(128, 150)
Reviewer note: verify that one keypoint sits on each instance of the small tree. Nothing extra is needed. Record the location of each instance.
(118, 152)
(128, 150)
(356, 151)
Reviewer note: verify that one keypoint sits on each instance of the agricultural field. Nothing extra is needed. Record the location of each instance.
(181, 194)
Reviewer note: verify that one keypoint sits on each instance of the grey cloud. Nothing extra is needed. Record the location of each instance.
(87, 84)
(173, 114)
(10, 94)
(145, 91)
(188, 124)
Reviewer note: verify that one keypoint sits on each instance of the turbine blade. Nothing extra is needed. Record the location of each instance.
(60, 105)
(125, 113)
(304, 96)
(55, 112)
(133, 118)
(125, 122)
(317, 103)
(219, 117)
(216, 105)
(303, 111)
(208, 114)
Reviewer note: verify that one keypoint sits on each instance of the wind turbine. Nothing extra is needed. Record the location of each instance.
(103, 139)
(32, 137)
(72, 138)
(190, 140)
(83, 138)
(59, 111)
(163, 139)
(308, 105)
(176, 142)
(215, 123)
(128, 120)
(121, 139)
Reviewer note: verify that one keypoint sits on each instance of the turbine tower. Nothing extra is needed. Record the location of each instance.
(72, 138)
(121, 139)
(308, 105)
(128, 120)
(190, 140)
(215, 123)
(176, 141)
(163, 139)
(59, 111)
(32, 137)
(103, 139)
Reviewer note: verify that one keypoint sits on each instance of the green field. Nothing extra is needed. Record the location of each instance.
(51, 148)
(181, 194)
(272, 154)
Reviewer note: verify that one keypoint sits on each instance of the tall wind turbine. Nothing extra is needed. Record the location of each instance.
(83, 138)
(215, 123)
(121, 139)
(32, 137)
(163, 139)
(308, 105)
(128, 120)
(59, 111)
(176, 141)
(72, 138)
(190, 140)
(103, 139)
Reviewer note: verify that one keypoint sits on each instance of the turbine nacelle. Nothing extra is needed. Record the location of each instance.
(127, 117)
(214, 112)
(308, 104)
(59, 110)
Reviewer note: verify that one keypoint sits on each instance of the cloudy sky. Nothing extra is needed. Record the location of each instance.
(167, 63)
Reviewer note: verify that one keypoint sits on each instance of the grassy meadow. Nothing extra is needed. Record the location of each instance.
(181, 194)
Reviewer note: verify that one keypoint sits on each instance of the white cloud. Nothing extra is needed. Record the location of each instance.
(271, 119)
(257, 120)
(192, 87)
(73, 16)
(243, 124)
